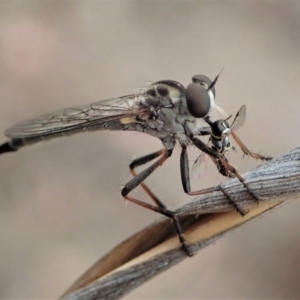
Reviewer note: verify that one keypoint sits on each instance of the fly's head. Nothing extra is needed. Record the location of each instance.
(200, 96)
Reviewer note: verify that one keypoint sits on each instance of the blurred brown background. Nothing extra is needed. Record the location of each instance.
(60, 202)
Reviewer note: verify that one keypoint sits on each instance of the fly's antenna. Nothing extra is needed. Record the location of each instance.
(215, 80)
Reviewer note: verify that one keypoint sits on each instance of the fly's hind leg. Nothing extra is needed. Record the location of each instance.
(160, 208)
(141, 161)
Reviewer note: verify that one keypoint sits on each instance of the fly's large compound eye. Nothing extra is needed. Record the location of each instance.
(197, 100)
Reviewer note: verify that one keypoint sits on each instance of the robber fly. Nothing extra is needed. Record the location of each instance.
(219, 132)
(164, 109)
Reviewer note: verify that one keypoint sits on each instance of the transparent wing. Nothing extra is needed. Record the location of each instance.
(80, 117)
(200, 166)
(239, 119)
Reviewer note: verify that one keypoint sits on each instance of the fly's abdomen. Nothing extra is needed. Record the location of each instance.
(124, 124)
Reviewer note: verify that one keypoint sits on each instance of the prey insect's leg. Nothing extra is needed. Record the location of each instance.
(138, 179)
(185, 179)
(214, 154)
(141, 161)
(246, 151)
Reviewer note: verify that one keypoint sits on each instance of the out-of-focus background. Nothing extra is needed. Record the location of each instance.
(60, 202)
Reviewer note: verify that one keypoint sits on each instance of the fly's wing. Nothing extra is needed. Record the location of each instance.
(239, 119)
(200, 166)
(80, 117)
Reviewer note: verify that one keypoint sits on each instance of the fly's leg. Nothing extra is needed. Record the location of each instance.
(185, 179)
(246, 151)
(215, 155)
(141, 161)
(137, 180)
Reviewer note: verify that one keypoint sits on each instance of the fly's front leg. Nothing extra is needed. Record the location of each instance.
(141, 161)
(139, 178)
(185, 179)
(214, 154)
(246, 151)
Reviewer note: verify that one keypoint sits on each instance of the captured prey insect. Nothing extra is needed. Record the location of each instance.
(219, 132)
(165, 109)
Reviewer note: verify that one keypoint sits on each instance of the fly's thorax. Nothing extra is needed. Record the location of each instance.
(183, 139)
(163, 93)
(155, 123)
(168, 142)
